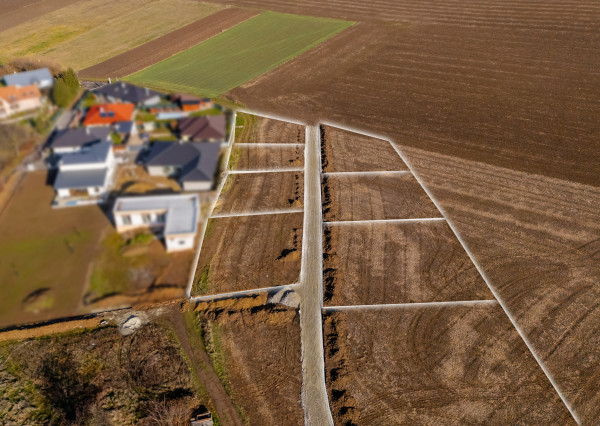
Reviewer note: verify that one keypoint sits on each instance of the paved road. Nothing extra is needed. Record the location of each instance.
(314, 393)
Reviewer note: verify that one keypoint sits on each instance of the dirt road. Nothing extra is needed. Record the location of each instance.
(314, 393)
(203, 369)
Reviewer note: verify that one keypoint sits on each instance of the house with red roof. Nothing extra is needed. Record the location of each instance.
(108, 114)
(14, 99)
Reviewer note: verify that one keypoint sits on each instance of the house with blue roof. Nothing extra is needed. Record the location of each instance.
(42, 78)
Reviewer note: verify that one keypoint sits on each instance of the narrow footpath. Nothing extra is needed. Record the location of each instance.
(202, 367)
(314, 393)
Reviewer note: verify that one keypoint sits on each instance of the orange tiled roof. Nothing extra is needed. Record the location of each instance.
(105, 114)
(15, 94)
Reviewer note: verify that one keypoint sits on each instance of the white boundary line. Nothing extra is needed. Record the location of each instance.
(367, 222)
(234, 294)
(265, 213)
(370, 173)
(268, 145)
(188, 291)
(412, 305)
(243, 172)
(475, 262)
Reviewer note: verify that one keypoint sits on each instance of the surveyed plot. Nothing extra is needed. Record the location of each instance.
(345, 151)
(249, 252)
(256, 129)
(375, 197)
(260, 192)
(379, 263)
(252, 158)
(258, 353)
(88, 32)
(240, 54)
(434, 365)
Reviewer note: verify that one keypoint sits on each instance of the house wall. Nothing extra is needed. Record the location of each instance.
(197, 186)
(179, 242)
(65, 150)
(137, 220)
(63, 193)
(28, 104)
(156, 171)
(152, 101)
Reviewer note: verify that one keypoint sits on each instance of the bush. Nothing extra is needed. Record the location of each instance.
(65, 88)
(142, 239)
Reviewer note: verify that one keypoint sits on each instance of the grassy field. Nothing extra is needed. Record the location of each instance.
(239, 54)
(44, 253)
(91, 31)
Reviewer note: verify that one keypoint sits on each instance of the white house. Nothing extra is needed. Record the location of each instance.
(175, 217)
(86, 173)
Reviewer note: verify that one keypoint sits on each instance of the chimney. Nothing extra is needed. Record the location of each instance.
(108, 80)
(87, 130)
(147, 91)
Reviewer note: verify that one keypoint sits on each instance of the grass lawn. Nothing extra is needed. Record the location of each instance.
(239, 54)
(44, 253)
(91, 31)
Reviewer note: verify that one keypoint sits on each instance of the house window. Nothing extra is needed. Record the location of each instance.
(126, 219)
(146, 218)
(160, 218)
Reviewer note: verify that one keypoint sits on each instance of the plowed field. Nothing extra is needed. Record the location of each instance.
(247, 157)
(343, 151)
(259, 192)
(380, 263)
(451, 365)
(375, 197)
(257, 129)
(248, 252)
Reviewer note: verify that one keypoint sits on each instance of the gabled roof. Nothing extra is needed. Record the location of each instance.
(26, 78)
(77, 138)
(79, 179)
(124, 126)
(16, 93)
(127, 92)
(203, 128)
(97, 153)
(198, 161)
(105, 114)
(181, 210)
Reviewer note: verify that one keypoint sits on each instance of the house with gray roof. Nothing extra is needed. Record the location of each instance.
(40, 77)
(72, 140)
(173, 216)
(85, 174)
(193, 164)
(126, 92)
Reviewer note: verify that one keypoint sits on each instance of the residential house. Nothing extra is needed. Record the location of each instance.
(210, 128)
(108, 114)
(191, 103)
(40, 78)
(14, 99)
(193, 164)
(72, 140)
(175, 217)
(126, 92)
(86, 173)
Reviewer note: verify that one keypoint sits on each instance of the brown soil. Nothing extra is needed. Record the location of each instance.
(261, 349)
(50, 329)
(266, 158)
(377, 263)
(248, 252)
(537, 240)
(451, 365)
(343, 151)
(258, 129)
(348, 197)
(136, 180)
(256, 192)
(201, 366)
(15, 12)
(168, 45)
